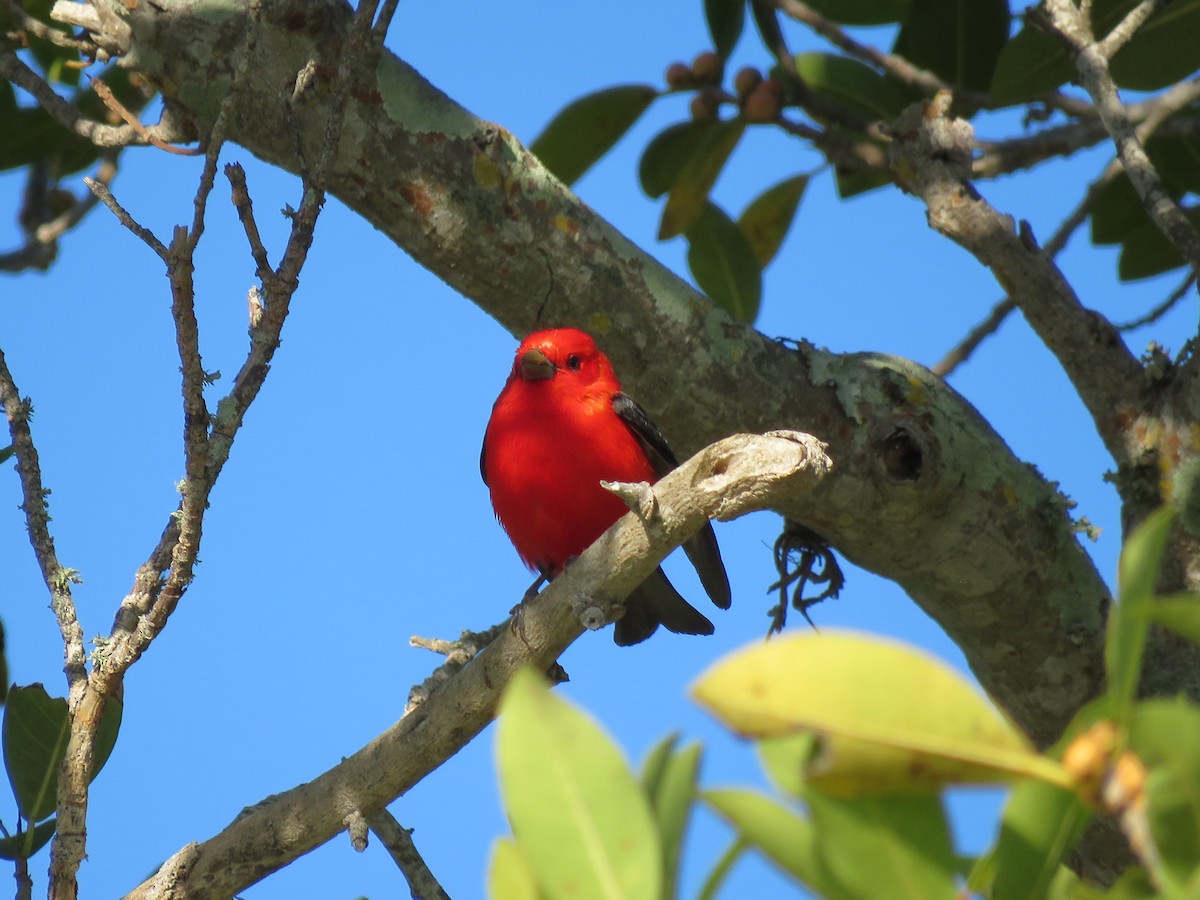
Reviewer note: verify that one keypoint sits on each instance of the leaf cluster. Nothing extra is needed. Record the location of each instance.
(860, 737)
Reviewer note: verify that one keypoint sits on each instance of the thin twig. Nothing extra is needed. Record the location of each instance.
(147, 236)
(1162, 308)
(58, 579)
(422, 883)
(145, 133)
(1127, 27)
(12, 68)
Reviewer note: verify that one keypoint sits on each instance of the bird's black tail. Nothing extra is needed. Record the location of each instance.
(656, 602)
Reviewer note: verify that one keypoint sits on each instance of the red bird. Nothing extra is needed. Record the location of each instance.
(559, 427)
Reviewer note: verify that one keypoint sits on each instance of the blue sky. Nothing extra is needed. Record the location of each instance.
(351, 515)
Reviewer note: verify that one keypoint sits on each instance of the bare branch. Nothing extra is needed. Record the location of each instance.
(422, 883)
(12, 68)
(1161, 309)
(735, 476)
(145, 234)
(58, 579)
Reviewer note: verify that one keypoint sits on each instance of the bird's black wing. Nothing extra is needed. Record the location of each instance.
(483, 460)
(702, 547)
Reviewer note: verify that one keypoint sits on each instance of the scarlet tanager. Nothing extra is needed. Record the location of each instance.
(559, 427)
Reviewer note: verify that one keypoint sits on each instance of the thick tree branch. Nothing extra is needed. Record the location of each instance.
(737, 475)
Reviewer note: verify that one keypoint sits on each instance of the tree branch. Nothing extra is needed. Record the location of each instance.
(735, 476)
(934, 153)
(422, 883)
(1091, 60)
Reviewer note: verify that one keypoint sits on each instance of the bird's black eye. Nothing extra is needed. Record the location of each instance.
(573, 362)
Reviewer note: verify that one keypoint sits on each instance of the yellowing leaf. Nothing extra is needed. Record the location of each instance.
(890, 718)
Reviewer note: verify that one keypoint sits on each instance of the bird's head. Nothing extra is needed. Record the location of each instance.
(562, 353)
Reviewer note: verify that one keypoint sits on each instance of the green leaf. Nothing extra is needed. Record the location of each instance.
(588, 128)
(689, 191)
(767, 219)
(725, 19)
(1181, 614)
(862, 12)
(781, 835)
(786, 758)
(35, 740)
(1146, 252)
(890, 717)
(1177, 158)
(853, 85)
(579, 816)
(1165, 734)
(1030, 64)
(1137, 574)
(723, 264)
(851, 184)
(26, 843)
(509, 874)
(1040, 825)
(720, 870)
(1134, 884)
(890, 845)
(960, 40)
(671, 788)
(1117, 212)
(665, 155)
(1164, 50)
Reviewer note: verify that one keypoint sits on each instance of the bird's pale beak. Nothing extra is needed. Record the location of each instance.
(535, 366)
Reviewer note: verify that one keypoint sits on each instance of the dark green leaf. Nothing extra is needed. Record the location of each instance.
(27, 843)
(1177, 160)
(588, 128)
(8, 98)
(862, 12)
(1146, 251)
(1118, 210)
(1165, 49)
(850, 184)
(35, 739)
(31, 135)
(1030, 64)
(960, 40)
(3, 667)
(1040, 825)
(888, 845)
(853, 85)
(665, 155)
(723, 264)
(769, 216)
(1134, 884)
(725, 18)
(1165, 734)
(689, 191)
